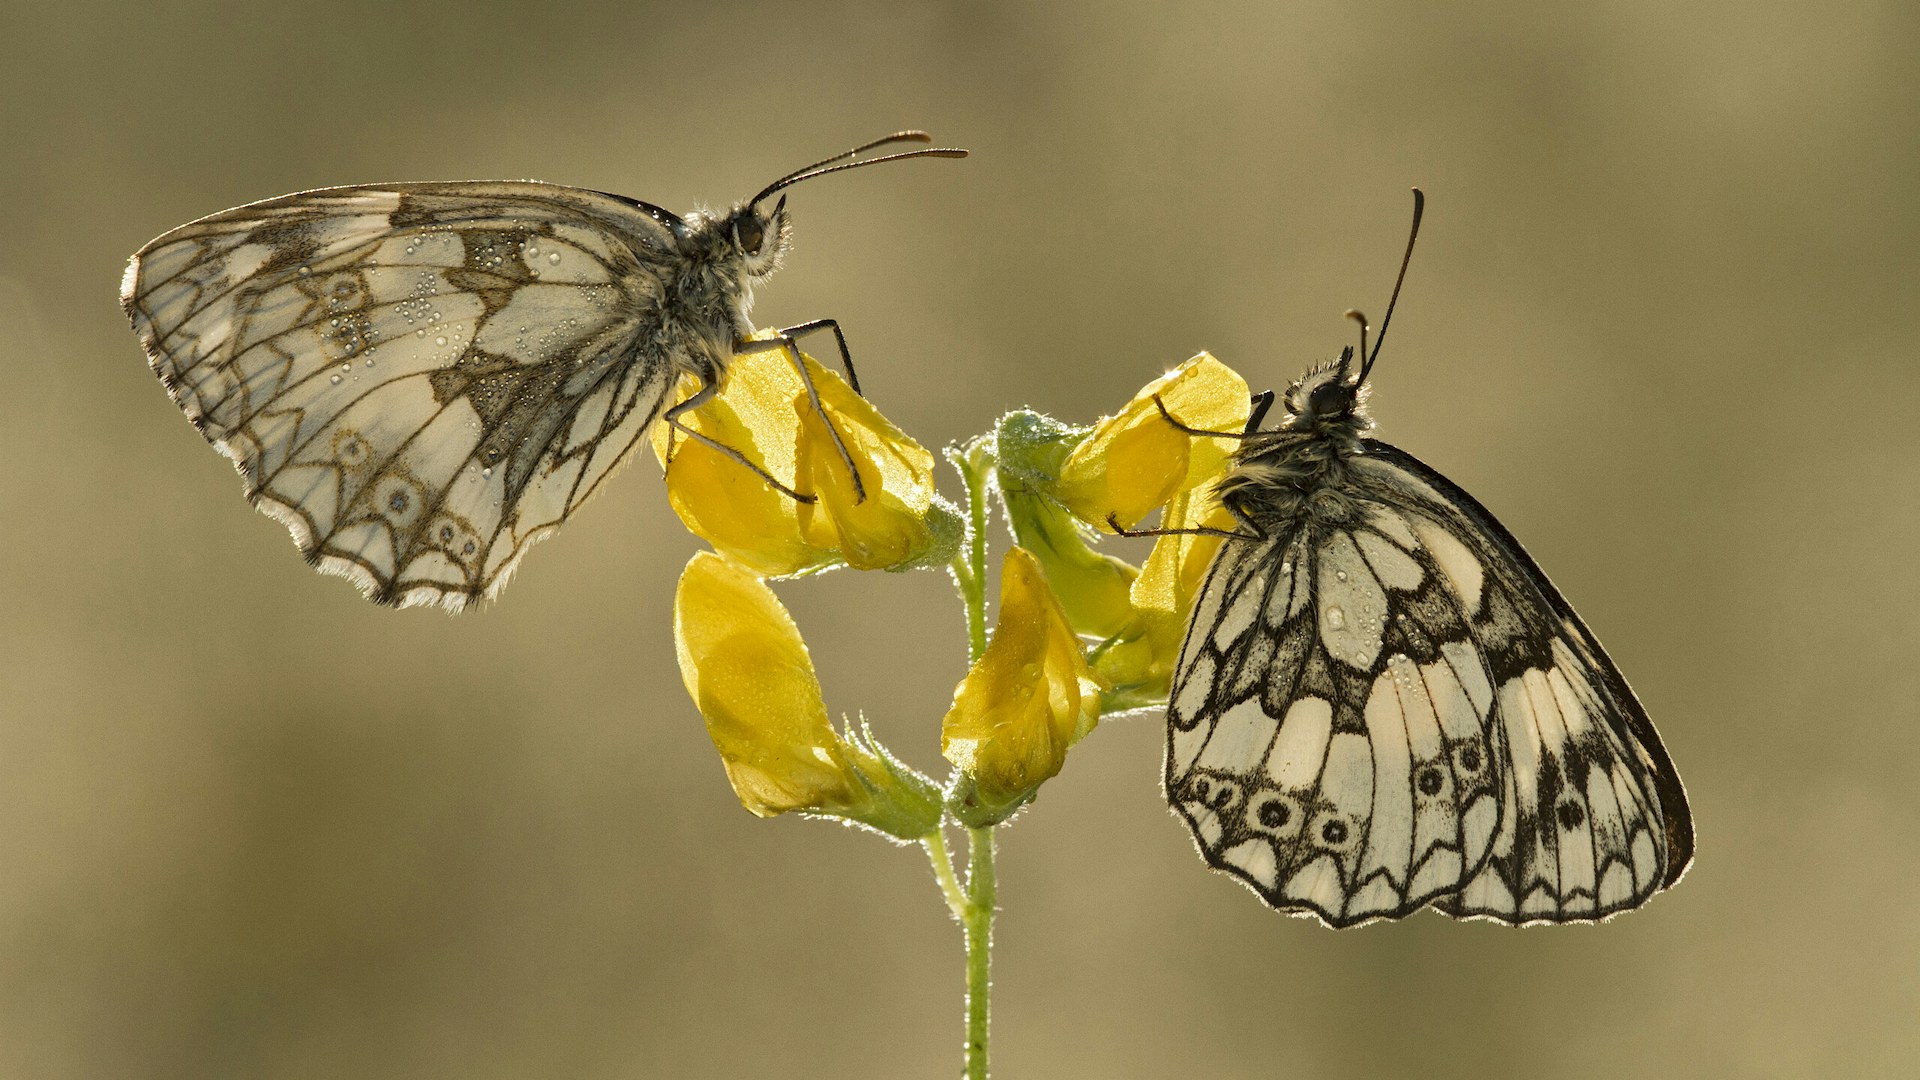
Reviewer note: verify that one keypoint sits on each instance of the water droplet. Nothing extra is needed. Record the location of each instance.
(1340, 575)
(306, 271)
(345, 368)
(487, 472)
(553, 257)
(441, 340)
(335, 380)
(1336, 619)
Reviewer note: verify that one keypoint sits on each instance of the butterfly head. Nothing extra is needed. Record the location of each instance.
(759, 238)
(1331, 400)
(1328, 397)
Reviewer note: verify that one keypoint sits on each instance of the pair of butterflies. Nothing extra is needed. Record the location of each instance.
(1382, 703)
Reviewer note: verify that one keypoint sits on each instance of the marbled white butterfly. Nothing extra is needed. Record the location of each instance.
(421, 380)
(1382, 703)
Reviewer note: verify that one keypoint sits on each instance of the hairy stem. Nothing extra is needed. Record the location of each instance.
(937, 853)
(978, 922)
(973, 463)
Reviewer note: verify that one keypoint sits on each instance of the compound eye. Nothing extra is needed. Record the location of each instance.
(749, 234)
(1330, 399)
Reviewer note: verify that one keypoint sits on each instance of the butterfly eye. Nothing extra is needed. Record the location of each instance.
(749, 234)
(1330, 399)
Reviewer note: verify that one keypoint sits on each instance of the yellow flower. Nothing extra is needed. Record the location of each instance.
(889, 527)
(1131, 464)
(1027, 450)
(748, 671)
(1141, 662)
(746, 668)
(763, 412)
(1093, 588)
(1135, 460)
(1027, 699)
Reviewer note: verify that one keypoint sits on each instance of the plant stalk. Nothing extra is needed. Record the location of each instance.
(978, 923)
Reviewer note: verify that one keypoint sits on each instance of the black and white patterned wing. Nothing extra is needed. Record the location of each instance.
(419, 380)
(1329, 735)
(1354, 716)
(1594, 817)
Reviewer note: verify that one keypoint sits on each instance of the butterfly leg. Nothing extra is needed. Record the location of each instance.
(1113, 522)
(701, 397)
(795, 333)
(1261, 402)
(786, 343)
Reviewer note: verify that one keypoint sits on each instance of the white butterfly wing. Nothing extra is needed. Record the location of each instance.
(1360, 722)
(419, 380)
(1595, 819)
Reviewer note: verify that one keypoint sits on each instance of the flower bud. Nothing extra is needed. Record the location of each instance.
(748, 672)
(1027, 699)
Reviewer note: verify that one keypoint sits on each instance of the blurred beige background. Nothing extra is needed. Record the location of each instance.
(1662, 321)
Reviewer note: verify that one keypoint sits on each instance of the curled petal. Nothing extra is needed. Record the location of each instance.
(747, 670)
(765, 415)
(1137, 459)
(1028, 698)
(1142, 660)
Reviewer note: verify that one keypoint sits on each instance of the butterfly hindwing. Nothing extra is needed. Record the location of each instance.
(1595, 819)
(1390, 706)
(419, 380)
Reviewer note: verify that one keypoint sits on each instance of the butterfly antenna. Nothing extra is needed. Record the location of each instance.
(1419, 205)
(839, 162)
(1356, 316)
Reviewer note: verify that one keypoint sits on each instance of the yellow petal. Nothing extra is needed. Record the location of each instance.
(1027, 699)
(1092, 586)
(1135, 460)
(1162, 595)
(764, 413)
(747, 670)
(889, 526)
(726, 505)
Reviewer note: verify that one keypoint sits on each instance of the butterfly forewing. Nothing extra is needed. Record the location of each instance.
(419, 380)
(1387, 705)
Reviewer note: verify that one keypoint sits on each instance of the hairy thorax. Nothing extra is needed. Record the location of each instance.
(705, 314)
(1294, 476)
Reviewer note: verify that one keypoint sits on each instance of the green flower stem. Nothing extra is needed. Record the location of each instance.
(972, 905)
(973, 462)
(936, 845)
(978, 922)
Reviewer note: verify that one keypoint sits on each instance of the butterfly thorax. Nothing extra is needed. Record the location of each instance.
(710, 293)
(1298, 469)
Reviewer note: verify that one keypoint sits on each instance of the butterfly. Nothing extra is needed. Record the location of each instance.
(1382, 703)
(421, 380)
